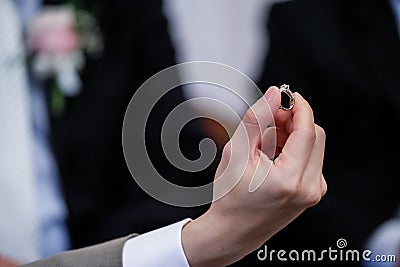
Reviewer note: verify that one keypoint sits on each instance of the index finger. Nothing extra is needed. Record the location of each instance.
(300, 142)
(257, 118)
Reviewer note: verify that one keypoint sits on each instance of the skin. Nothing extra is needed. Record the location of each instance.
(7, 263)
(241, 221)
(267, 195)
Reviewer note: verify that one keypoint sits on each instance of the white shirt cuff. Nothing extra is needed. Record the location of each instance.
(158, 248)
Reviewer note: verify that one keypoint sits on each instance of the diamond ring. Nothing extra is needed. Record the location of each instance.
(285, 89)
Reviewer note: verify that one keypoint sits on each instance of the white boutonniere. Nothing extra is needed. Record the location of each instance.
(58, 40)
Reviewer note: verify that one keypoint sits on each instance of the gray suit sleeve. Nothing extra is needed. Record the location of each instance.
(107, 254)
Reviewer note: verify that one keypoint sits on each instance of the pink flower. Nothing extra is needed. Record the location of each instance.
(53, 32)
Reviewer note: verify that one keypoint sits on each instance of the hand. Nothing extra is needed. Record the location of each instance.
(7, 263)
(268, 194)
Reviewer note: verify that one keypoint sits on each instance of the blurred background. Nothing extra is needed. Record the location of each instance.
(69, 68)
(227, 32)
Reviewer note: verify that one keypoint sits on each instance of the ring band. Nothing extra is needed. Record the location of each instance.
(285, 89)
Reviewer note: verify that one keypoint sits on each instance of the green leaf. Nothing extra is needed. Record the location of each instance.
(74, 4)
(57, 100)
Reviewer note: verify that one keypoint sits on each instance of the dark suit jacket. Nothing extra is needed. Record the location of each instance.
(344, 57)
(103, 200)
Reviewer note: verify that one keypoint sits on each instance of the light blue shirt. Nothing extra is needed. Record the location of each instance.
(396, 9)
(51, 207)
(386, 239)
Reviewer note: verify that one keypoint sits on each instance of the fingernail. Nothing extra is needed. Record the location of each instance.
(271, 94)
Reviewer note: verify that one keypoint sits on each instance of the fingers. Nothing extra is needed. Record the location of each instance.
(284, 120)
(273, 140)
(316, 160)
(247, 137)
(324, 186)
(313, 182)
(300, 142)
(261, 115)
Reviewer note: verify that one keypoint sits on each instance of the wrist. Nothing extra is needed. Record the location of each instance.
(215, 239)
(206, 242)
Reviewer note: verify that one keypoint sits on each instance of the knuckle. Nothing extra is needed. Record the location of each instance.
(227, 150)
(226, 153)
(320, 132)
(250, 117)
(289, 188)
(313, 197)
(310, 136)
(324, 186)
